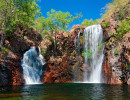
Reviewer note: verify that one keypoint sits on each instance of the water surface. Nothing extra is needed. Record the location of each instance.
(68, 91)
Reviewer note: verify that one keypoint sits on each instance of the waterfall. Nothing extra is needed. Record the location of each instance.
(93, 53)
(32, 64)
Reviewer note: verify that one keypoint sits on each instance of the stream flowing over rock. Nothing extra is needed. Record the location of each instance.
(32, 64)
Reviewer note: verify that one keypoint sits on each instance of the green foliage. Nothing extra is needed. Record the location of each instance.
(4, 51)
(43, 52)
(9, 35)
(124, 26)
(87, 53)
(63, 52)
(87, 22)
(58, 20)
(100, 46)
(78, 16)
(55, 22)
(122, 29)
(116, 52)
(114, 6)
(16, 13)
(105, 24)
(122, 13)
(38, 23)
(127, 66)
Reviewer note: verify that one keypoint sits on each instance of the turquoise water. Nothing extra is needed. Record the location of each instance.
(68, 91)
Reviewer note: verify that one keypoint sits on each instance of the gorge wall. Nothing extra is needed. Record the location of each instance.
(61, 69)
(68, 58)
(11, 72)
(116, 65)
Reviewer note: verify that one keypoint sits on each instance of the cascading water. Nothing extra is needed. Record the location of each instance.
(93, 50)
(32, 64)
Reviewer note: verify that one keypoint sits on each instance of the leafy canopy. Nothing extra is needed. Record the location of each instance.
(87, 22)
(56, 20)
(18, 12)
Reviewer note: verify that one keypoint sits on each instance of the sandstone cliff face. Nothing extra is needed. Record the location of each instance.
(14, 47)
(116, 63)
(68, 65)
(61, 69)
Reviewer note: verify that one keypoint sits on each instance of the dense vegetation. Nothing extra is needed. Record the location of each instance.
(119, 11)
(16, 13)
(26, 14)
(87, 22)
(56, 21)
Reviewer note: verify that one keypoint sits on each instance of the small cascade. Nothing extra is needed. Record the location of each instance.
(77, 43)
(32, 64)
(93, 51)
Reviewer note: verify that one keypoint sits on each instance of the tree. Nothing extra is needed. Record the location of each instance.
(56, 21)
(17, 12)
(78, 16)
(6, 11)
(87, 22)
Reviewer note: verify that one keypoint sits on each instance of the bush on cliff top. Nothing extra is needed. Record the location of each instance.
(122, 13)
(105, 24)
(116, 5)
(16, 13)
(123, 28)
(87, 22)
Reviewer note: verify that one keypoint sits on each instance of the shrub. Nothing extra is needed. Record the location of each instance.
(105, 24)
(116, 52)
(43, 52)
(122, 13)
(127, 66)
(4, 51)
(123, 28)
(87, 53)
(115, 5)
(87, 22)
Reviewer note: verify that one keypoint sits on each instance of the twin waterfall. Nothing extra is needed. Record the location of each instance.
(32, 64)
(93, 48)
(33, 61)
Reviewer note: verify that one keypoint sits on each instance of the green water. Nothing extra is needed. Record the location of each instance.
(69, 91)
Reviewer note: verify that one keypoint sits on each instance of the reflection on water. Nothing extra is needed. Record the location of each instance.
(69, 91)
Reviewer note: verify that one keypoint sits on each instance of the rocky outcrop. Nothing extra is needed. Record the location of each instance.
(116, 62)
(61, 69)
(57, 71)
(115, 65)
(10, 70)
(12, 51)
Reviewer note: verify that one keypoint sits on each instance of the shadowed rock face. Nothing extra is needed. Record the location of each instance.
(60, 69)
(115, 66)
(57, 70)
(11, 72)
